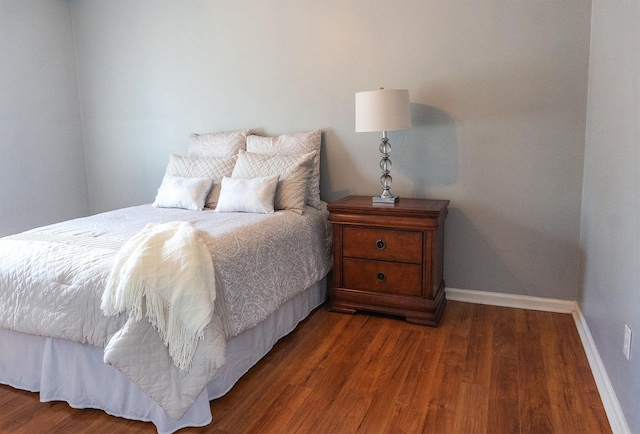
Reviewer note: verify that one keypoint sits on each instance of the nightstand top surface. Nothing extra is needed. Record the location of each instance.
(404, 205)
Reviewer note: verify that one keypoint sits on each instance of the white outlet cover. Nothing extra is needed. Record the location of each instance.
(626, 349)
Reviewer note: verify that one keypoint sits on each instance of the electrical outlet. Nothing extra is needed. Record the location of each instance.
(626, 349)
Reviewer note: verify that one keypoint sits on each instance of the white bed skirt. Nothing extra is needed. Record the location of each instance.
(68, 371)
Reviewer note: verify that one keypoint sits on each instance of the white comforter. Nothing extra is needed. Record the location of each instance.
(52, 279)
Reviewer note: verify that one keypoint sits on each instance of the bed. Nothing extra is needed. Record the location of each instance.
(270, 273)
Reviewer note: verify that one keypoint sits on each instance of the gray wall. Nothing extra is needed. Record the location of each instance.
(610, 297)
(499, 105)
(42, 169)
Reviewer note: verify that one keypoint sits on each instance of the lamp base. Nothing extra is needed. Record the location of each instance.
(390, 199)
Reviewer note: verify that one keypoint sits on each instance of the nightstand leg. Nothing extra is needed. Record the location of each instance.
(342, 310)
(422, 321)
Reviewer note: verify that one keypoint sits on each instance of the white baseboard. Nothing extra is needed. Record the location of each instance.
(609, 400)
(512, 300)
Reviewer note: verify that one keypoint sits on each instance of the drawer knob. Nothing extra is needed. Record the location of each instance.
(381, 276)
(381, 244)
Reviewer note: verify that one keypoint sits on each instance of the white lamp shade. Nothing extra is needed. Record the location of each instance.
(383, 110)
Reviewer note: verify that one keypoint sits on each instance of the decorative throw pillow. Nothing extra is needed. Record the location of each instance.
(182, 192)
(293, 170)
(223, 144)
(215, 168)
(248, 194)
(294, 144)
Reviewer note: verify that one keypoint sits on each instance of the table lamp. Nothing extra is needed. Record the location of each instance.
(383, 110)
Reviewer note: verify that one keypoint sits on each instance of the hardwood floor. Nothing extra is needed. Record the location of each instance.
(485, 369)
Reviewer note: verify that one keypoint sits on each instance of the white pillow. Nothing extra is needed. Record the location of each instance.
(248, 194)
(294, 144)
(215, 168)
(294, 171)
(182, 192)
(223, 144)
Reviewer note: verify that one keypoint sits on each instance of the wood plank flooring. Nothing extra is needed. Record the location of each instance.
(485, 369)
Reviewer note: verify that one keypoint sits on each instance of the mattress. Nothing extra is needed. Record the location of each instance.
(51, 280)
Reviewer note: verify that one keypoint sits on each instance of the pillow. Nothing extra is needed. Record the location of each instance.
(182, 192)
(215, 168)
(224, 144)
(248, 195)
(293, 170)
(293, 144)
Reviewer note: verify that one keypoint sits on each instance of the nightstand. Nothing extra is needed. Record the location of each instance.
(389, 258)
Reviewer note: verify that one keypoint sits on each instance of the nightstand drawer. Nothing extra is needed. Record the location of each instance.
(382, 244)
(381, 276)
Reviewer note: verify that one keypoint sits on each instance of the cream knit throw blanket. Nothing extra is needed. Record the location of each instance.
(166, 273)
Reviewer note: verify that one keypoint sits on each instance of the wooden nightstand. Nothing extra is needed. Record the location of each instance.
(389, 258)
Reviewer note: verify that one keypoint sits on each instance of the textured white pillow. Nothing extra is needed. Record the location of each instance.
(294, 144)
(182, 192)
(223, 144)
(294, 171)
(215, 168)
(248, 195)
